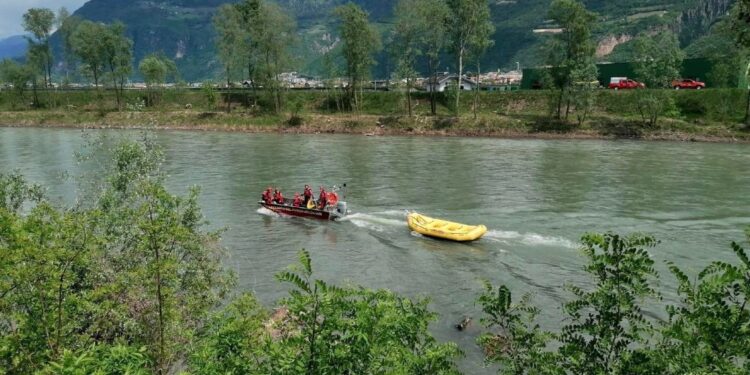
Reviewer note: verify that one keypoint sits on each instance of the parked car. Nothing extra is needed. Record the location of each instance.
(618, 83)
(689, 84)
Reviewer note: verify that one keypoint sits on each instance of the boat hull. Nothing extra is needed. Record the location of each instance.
(300, 211)
(443, 229)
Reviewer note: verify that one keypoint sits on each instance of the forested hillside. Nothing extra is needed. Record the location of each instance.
(182, 29)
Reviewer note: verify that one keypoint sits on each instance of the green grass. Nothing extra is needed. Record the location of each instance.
(711, 113)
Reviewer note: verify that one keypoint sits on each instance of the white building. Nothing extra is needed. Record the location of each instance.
(443, 81)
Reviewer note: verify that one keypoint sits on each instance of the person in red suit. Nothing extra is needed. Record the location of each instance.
(322, 198)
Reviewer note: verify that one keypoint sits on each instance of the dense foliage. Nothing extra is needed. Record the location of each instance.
(607, 330)
(324, 329)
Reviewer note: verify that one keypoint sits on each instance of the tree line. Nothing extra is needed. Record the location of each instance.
(100, 52)
(127, 280)
(255, 41)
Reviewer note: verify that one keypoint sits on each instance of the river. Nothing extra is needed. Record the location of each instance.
(537, 197)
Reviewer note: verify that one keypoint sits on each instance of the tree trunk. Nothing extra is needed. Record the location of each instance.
(747, 110)
(476, 91)
(159, 296)
(432, 82)
(35, 93)
(458, 84)
(408, 94)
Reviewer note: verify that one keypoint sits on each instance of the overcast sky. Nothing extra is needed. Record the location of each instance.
(11, 12)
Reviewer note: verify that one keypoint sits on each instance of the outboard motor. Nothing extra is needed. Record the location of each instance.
(341, 209)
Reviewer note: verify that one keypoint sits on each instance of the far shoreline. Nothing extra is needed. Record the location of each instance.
(334, 126)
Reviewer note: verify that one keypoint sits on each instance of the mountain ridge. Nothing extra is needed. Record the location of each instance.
(13, 47)
(182, 29)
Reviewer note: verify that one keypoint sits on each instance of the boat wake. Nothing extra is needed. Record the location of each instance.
(266, 212)
(376, 222)
(532, 239)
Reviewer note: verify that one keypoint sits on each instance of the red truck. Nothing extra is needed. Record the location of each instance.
(617, 83)
(688, 84)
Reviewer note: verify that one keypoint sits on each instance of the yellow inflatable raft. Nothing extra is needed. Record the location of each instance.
(444, 229)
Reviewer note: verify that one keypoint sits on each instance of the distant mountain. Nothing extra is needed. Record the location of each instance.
(12, 47)
(182, 29)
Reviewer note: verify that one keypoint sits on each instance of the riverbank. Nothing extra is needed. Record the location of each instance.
(500, 126)
(705, 116)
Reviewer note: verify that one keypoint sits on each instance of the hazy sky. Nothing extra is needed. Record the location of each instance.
(11, 12)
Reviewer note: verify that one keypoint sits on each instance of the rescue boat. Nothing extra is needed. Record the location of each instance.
(335, 209)
(444, 229)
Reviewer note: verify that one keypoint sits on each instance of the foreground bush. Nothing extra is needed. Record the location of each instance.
(323, 329)
(129, 282)
(708, 331)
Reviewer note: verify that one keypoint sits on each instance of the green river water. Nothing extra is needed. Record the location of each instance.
(537, 197)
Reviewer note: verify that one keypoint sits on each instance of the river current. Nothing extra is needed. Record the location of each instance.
(537, 197)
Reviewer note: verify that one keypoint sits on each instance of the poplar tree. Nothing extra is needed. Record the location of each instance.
(273, 33)
(39, 22)
(571, 52)
(66, 25)
(740, 17)
(409, 30)
(86, 41)
(360, 42)
(230, 39)
(435, 13)
(117, 55)
(469, 27)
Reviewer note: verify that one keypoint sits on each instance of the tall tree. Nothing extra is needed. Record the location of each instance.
(407, 44)
(249, 11)
(230, 39)
(39, 22)
(470, 27)
(117, 55)
(36, 58)
(658, 59)
(658, 62)
(16, 75)
(274, 34)
(571, 52)
(360, 43)
(66, 25)
(477, 49)
(435, 13)
(741, 27)
(87, 41)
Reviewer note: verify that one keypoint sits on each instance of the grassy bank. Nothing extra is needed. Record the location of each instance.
(708, 115)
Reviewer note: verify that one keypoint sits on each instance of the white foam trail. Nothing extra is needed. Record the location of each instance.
(392, 213)
(532, 239)
(267, 212)
(366, 218)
